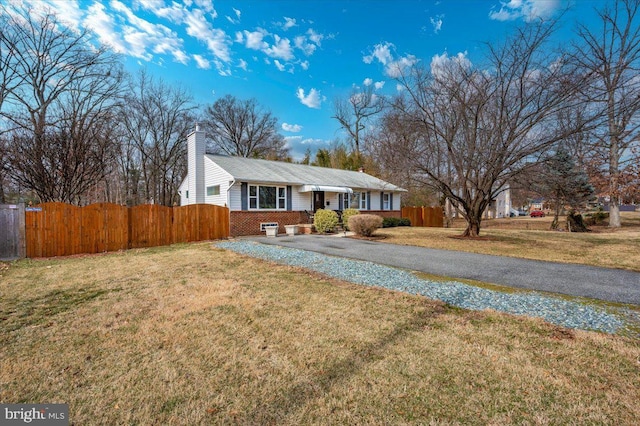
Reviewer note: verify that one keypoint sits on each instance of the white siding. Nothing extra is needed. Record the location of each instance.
(396, 201)
(235, 198)
(182, 190)
(195, 167)
(300, 200)
(214, 175)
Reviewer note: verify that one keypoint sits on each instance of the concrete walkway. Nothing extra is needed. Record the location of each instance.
(612, 285)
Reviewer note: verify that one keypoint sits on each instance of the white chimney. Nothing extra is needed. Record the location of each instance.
(196, 147)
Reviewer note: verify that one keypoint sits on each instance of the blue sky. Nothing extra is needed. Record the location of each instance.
(296, 57)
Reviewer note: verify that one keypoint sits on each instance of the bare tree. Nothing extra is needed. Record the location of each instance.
(243, 129)
(610, 58)
(354, 112)
(481, 127)
(60, 107)
(156, 119)
(395, 144)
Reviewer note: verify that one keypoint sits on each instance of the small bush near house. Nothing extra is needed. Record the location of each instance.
(346, 214)
(325, 220)
(392, 222)
(365, 225)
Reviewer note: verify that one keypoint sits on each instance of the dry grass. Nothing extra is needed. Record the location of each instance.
(197, 335)
(531, 239)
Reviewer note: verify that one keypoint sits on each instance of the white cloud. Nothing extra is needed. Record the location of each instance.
(255, 39)
(102, 24)
(174, 13)
(439, 63)
(207, 5)
(313, 100)
(202, 62)
(304, 65)
(379, 85)
(314, 36)
(215, 39)
(367, 82)
(396, 68)
(381, 52)
(289, 23)
(235, 20)
(281, 49)
(437, 23)
(528, 10)
(68, 11)
(399, 87)
(301, 43)
(278, 65)
(294, 128)
(242, 64)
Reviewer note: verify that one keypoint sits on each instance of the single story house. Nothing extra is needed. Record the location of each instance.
(259, 192)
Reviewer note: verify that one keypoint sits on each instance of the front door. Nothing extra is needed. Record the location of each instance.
(318, 200)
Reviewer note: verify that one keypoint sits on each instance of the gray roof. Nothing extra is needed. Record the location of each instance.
(279, 172)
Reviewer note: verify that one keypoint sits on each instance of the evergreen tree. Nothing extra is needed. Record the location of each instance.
(564, 183)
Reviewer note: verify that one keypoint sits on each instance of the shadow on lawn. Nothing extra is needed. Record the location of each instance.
(300, 394)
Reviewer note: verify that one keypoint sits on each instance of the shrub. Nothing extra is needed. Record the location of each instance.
(365, 224)
(390, 222)
(325, 220)
(346, 215)
(597, 218)
(405, 221)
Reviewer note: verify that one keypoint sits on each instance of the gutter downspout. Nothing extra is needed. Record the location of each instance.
(233, 182)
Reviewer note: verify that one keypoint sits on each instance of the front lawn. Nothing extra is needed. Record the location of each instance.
(530, 239)
(191, 334)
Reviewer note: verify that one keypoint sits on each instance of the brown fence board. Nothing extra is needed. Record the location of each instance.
(424, 216)
(60, 229)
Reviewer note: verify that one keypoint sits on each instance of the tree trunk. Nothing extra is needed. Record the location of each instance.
(554, 224)
(614, 213)
(473, 226)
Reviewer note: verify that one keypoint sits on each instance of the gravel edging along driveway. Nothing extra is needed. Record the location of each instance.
(556, 310)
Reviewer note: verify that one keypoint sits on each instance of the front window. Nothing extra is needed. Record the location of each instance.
(359, 200)
(267, 197)
(385, 202)
(363, 201)
(345, 203)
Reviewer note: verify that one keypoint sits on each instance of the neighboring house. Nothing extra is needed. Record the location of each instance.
(500, 206)
(258, 192)
(536, 204)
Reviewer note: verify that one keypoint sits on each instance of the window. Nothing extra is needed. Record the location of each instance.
(213, 190)
(363, 201)
(186, 194)
(386, 202)
(345, 202)
(267, 197)
(358, 200)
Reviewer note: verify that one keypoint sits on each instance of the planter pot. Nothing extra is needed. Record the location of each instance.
(291, 229)
(272, 231)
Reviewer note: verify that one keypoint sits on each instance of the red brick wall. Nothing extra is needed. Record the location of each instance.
(248, 222)
(383, 213)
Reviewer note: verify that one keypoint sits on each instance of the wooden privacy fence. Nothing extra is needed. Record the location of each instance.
(58, 229)
(424, 216)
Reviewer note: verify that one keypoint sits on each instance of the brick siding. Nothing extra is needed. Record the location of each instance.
(383, 213)
(248, 222)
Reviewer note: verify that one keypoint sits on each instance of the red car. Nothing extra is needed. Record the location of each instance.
(537, 213)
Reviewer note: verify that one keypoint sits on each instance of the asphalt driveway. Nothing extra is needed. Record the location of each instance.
(612, 285)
